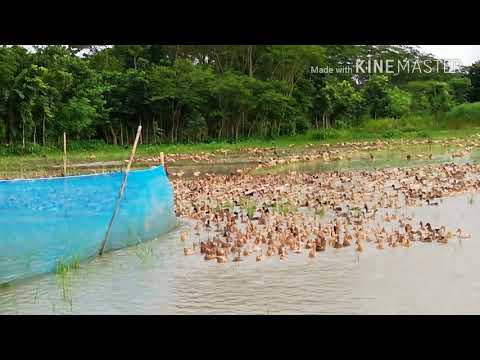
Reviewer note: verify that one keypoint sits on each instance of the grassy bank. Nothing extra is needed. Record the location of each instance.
(104, 152)
(48, 161)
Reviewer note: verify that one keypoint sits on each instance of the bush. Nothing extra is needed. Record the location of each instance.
(18, 149)
(326, 134)
(78, 145)
(464, 115)
(378, 125)
(389, 134)
(415, 122)
(423, 134)
(302, 125)
(407, 123)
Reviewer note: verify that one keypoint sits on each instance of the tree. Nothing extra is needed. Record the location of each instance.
(399, 102)
(474, 76)
(181, 88)
(375, 93)
(439, 98)
(460, 88)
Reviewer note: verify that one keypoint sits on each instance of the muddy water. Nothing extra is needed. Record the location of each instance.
(156, 278)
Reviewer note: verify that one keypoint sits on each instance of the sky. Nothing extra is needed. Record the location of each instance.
(467, 54)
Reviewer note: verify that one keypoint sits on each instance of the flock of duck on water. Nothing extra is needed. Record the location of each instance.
(243, 215)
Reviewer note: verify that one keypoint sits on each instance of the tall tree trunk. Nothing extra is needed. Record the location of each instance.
(10, 121)
(250, 59)
(23, 134)
(114, 135)
(35, 133)
(146, 130)
(121, 133)
(43, 130)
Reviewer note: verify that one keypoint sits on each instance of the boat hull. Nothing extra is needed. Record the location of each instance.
(48, 222)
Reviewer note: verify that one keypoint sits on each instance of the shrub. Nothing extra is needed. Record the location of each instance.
(18, 149)
(326, 134)
(463, 115)
(76, 145)
(378, 125)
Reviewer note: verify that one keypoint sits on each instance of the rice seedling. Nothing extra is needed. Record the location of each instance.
(65, 267)
(145, 253)
(250, 207)
(320, 213)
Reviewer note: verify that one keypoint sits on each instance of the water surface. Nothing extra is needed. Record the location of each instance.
(156, 278)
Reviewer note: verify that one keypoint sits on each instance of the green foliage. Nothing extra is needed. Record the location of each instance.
(460, 88)
(200, 93)
(376, 96)
(463, 115)
(399, 102)
(76, 116)
(64, 267)
(474, 76)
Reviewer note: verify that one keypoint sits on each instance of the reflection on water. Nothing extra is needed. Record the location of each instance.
(382, 159)
(156, 278)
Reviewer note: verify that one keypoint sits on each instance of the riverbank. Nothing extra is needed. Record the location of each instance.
(311, 146)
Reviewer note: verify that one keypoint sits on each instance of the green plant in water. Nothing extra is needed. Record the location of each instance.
(250, 207)
(64, 267)
(286, 208)
(145, 252)
(5, 285)
(320, 212)
(471, 200)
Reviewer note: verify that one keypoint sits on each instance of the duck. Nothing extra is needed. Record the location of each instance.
(429, 202)
(346, 240)
(238, 257)
(463, 235)
(380, 245)
(247, 252)
(210, 257)
(260, 257)
(270, 251)
(359, 246)
(188, 251)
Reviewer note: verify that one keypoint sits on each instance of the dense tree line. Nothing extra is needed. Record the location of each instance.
(202, 92)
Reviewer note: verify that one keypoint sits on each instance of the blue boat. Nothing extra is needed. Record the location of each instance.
(47, 222)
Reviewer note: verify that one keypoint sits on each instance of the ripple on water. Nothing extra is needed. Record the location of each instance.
(426, 279)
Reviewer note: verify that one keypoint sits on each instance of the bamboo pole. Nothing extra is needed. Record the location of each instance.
(64, 154)
(122, 190)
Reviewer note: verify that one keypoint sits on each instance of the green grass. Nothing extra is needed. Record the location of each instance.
(41, 164)
(64, 267)
(286, 208)
(463, 116)
(250, 207)
(145, 253)
(320, 213)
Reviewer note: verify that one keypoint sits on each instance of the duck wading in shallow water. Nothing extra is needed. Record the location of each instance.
(281, 219)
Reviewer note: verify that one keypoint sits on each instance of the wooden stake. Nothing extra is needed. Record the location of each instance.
(64, 154)
(162, 159)
(122, 190)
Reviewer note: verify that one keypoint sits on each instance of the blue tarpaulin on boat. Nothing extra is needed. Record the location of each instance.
(44, 222)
